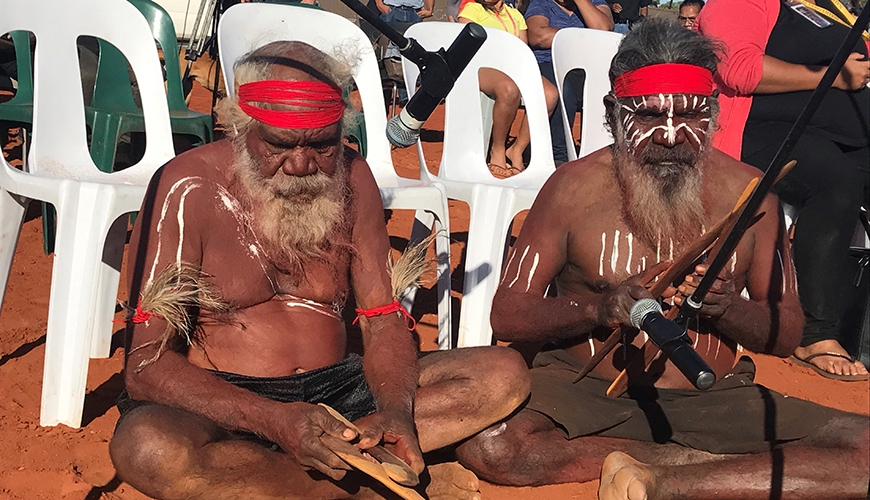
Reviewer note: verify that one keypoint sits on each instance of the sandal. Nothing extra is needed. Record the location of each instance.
(806, 363)
(500, 172)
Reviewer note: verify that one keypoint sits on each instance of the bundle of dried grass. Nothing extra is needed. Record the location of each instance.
(172, 295)
(407, 271)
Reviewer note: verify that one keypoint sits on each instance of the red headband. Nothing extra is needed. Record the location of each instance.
(323, 102)
(668, 78)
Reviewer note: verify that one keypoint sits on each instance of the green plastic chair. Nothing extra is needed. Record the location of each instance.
(113, 112)
(19, 110)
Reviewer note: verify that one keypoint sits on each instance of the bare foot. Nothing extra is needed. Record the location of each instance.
(833, 364)
(451, 481)
(624, 478)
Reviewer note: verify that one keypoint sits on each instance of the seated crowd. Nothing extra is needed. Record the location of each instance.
(234, 373)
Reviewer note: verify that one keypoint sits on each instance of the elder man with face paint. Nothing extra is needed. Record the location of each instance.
(242, 259)
(601, 229)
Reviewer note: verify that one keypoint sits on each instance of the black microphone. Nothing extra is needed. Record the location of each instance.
(646, 314)
(438, 73)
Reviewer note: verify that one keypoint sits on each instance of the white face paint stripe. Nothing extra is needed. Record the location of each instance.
(630, 238)
(695, 343)
(591, 347)
(643, 263)
(718, 345)
(671, 254)
(734, 261)
(532, 270)
(659, 248)
(614, 254)
(519, 266)
(601, 259)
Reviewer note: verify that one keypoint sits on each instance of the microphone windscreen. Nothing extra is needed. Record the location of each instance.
(399, 134)
(641, 308)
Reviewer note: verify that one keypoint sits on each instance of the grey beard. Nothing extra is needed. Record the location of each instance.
(297, 218)
(660, 201)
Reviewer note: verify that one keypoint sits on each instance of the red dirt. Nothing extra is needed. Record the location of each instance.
(59, 463)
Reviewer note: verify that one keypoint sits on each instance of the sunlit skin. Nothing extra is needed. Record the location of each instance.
(286, 320)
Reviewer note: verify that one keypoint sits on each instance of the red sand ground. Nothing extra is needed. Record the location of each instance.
(59, 463)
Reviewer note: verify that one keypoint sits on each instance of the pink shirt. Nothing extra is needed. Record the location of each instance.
(743, 26)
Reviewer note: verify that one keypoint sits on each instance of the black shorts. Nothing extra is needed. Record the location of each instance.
(736, 415)
(341, 385)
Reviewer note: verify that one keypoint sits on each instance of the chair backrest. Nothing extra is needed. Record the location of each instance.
(591, 50)
(245, 27)
(59, 145)
(24, 68)
(164, 32)
(464, 157)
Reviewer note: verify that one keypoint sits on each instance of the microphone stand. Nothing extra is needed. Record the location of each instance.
(692, 305)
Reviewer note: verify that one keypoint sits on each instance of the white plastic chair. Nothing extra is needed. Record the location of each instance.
(245, 27)
(90, 203)
(493, 203)
(591, 50)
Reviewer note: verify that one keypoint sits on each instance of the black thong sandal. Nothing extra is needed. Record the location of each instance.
(806, 363)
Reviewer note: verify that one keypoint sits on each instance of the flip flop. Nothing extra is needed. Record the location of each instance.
(500, 172)
(805, 362)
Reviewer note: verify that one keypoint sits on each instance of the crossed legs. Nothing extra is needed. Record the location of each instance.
(168, 453)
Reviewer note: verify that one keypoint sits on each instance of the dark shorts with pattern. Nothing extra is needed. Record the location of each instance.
(736, 415)
(341, 385)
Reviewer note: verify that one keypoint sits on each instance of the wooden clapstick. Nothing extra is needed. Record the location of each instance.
(395, 467)
(649, 351)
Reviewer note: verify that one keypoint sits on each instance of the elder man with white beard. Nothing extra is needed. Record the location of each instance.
(603, 227)
(242, 259)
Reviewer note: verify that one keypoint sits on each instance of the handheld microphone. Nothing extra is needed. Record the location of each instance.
(646, 314)
(438, 73)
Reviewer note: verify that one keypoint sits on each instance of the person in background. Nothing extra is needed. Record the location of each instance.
(544, 18)
(774, 55)
(628, 12)
(505, 161)
(689, 11)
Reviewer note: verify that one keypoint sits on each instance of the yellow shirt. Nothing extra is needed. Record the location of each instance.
(509, 19)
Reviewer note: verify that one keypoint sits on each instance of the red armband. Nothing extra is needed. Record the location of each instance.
(387, 309)
(140, 316)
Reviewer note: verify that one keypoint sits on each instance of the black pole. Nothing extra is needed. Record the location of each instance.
(692, 305)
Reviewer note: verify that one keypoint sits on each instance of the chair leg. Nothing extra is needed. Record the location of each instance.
(12, 210)
(49, 224)
(74, 280)
(105, 133)
(491, 213)
(107, 288)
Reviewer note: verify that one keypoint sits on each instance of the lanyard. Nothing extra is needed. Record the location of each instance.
(843, 15)
(514, 31)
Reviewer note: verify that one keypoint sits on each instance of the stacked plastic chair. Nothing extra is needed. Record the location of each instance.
(592, 51)
(493, 203)
(247, 26)
(91, 204)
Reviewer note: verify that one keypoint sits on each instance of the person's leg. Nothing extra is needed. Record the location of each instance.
(827, 186)
(168, 453)
(506, 94)
(831, 464)
(557, 131)
(463, 391)
(524, 137)
(530, 450)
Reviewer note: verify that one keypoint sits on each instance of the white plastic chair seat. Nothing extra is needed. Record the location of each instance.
(247, 26)
(591, 50)
(90, 203)
(493, 203)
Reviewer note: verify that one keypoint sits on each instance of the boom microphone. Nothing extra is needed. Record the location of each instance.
(438, 73)
(646, 314)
